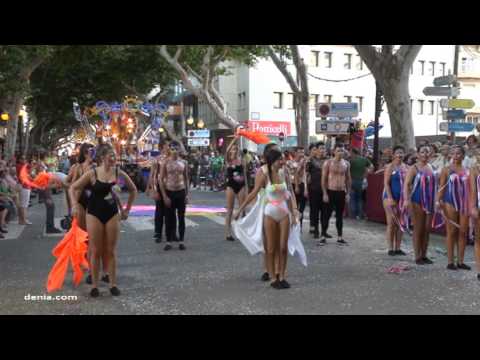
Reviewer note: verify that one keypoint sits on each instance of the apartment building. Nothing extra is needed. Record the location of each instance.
(261, 96)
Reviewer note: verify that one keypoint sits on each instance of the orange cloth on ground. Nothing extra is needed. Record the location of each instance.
(73, 248)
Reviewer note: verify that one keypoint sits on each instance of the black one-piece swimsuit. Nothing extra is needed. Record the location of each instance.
(101, 204)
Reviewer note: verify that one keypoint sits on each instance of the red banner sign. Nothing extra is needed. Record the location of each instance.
(270, 127)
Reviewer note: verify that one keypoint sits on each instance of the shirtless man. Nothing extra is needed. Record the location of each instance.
(174, 188)
(153, 189)
(336, 183)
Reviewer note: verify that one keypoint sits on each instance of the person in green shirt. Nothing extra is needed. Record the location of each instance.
(359, 168)
(217, 162)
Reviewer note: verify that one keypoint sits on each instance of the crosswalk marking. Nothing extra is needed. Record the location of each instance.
(217, 219)
(14, 231)
(147, 223)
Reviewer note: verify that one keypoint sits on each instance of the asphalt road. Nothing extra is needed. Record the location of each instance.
(214, 276)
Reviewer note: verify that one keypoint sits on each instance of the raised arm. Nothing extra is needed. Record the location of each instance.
(234, 141)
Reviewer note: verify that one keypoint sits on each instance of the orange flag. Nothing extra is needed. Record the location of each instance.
(73, 248)
(40, 182)
(257, 138)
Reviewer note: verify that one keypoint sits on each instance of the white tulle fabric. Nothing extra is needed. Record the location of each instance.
(249, 230)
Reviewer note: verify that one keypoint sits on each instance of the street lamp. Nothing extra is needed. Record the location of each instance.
(5, 117)
(190, 121)
(200, 124)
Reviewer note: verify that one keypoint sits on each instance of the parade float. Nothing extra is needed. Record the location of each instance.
(132, 127)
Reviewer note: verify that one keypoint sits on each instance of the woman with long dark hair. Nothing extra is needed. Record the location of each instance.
(452, 198)
(419, 195)
(236, 181)
(278, 214)
(394, 178)
(103, 218)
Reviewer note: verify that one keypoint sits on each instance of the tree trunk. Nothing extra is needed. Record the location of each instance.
(397, 98)
(27, 137)
(304, 136)
(12, 128)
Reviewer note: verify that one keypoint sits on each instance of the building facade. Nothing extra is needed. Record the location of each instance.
(261, 96)
(469, 78)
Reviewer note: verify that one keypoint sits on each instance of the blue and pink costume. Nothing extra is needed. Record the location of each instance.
(456, 193)
(424, 189)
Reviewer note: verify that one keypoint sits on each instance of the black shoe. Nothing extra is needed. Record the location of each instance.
(276, 284)
(94, 293)
(341, 242)
(167, 247)
(322, 242)
(1, 236)
(88, 280)
(230, 238)
(478, 277)
(400, 252)
(114, 291)
(451, 267)
(420, 262)
(427, 261)
(54, 231)
(158, 240)
(328, 236)
(106, 278)
(391, 253)
(182, 247)
(265, 277)
(284, 284)
(2, 230)
(312, 231)
(316, 235)
(463, 267)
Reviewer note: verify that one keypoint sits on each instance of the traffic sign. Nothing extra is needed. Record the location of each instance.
(460, 127)
(339, 110)
(444, 80)
(454, 114)
(457, 103)
(198, 133)
(198, 142)
(444, 126)
(332, 127)
(441, 91)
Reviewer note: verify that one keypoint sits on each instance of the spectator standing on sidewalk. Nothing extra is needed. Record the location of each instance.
(46, 196)
(25, 192)
(443, 159)
(359, 169)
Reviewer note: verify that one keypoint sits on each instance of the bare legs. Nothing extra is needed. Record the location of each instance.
(276, 247)
(103, 240)
(455, 235)
(421, 231)
(230, 205)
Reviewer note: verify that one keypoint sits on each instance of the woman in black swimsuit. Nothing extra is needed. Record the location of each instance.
(235, 183)
(85, 163)
(103, 218)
